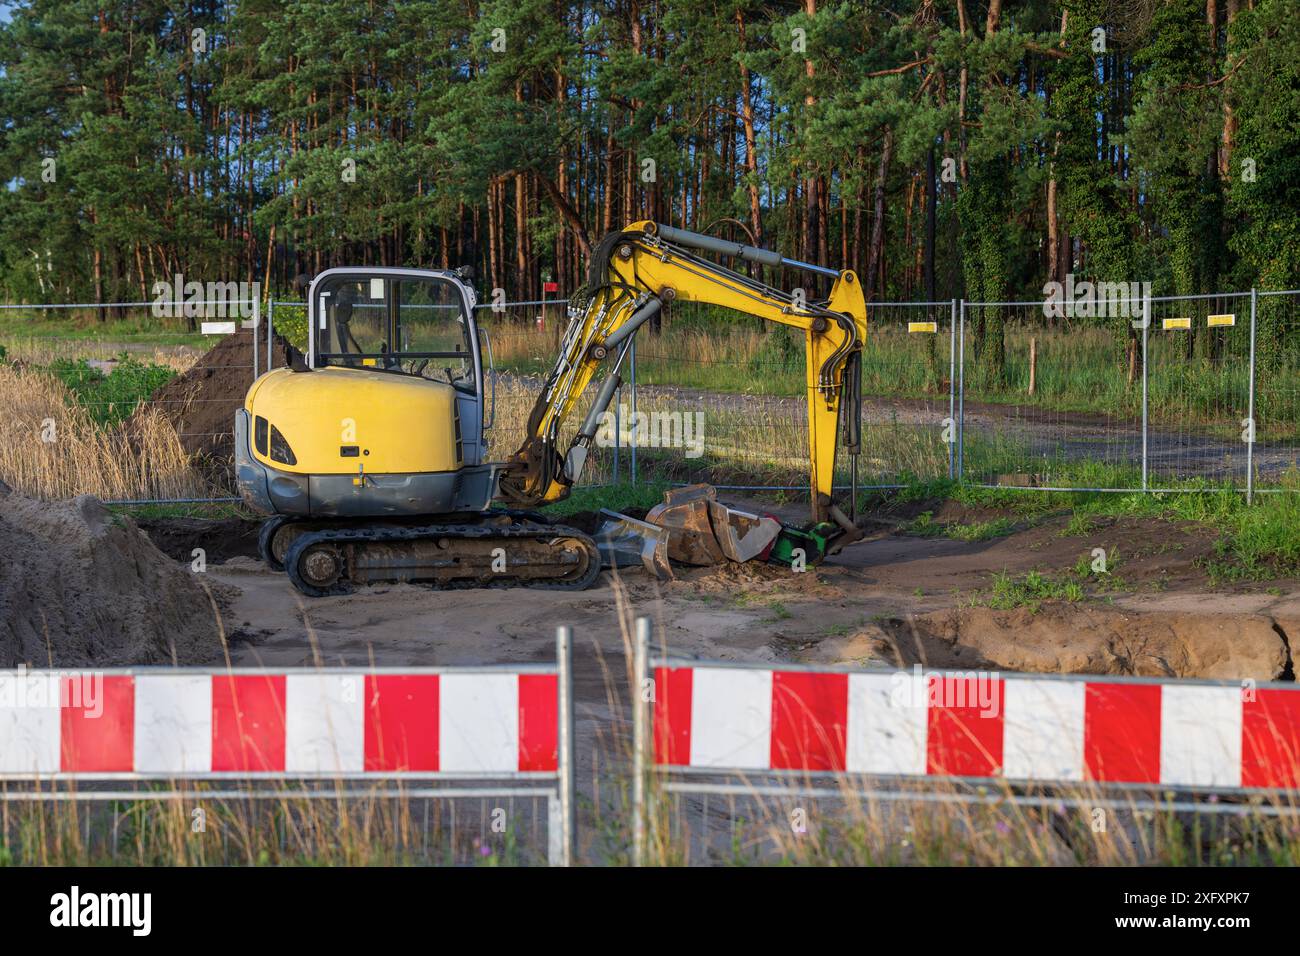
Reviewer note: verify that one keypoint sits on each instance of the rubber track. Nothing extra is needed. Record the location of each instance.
(269, 527)
(382, 535)
(274, 523)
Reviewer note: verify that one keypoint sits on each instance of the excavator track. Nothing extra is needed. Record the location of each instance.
(500, 549)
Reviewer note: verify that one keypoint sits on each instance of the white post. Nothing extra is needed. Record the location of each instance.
(1146, 331)
(640, 739)
(1250, 410)
(564, 671)
(952, 385)
(252, 337)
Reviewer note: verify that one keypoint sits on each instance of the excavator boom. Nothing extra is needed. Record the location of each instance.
(633, 274)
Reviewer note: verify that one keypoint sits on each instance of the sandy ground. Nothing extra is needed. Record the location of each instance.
(893, 599)
(750, 612)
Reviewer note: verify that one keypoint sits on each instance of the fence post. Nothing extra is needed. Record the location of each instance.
(640, 736)
(618, 433)
(270, 333)
(952, 382)
(1146, 332)
(252, 336)
(1250, 409)
(564, 740)
(632, 436)
(961, 393)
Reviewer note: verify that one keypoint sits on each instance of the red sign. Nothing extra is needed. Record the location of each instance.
(550, 287)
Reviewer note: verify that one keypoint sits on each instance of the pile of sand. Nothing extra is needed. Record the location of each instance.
(201, 403)
(82, 587)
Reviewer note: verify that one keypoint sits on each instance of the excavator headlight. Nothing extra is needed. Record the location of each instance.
(280, 450)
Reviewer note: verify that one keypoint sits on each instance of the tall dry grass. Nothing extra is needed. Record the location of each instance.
(945, 823)
(381, 824)
(51, 448)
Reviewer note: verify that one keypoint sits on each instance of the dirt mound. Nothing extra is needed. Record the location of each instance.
(201, 403)
(82, 587)
(1070, 639)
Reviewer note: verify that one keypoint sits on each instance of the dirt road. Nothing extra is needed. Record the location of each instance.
(1035, 438)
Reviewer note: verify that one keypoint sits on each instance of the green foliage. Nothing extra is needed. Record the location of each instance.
(291, 323)
(112, 398)
(925, 526)
(620, 497)
(506, 134)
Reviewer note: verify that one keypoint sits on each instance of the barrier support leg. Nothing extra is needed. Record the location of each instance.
(563, 805)
(640, 740)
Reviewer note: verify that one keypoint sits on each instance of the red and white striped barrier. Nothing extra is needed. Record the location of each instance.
(1108, 730)
(208, 723)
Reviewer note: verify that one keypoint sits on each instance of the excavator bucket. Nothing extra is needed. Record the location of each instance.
(624, 541)
(687, 527)
(701, 531)
(742, 536)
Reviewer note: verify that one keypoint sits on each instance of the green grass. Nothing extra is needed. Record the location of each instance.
(924, 525)
(1030, 591)
(111, 398)
(1259, 540)
(779, 612)
(214, 511)
(139, 327)
(618, 497)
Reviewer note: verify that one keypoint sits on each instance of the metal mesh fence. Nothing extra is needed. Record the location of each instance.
(1011, 394)
(1276, 396)
(1048, 400)
(1198, 357)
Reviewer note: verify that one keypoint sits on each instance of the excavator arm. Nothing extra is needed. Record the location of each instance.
(636, 271)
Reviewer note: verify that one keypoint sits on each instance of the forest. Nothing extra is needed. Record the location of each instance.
(939, 148)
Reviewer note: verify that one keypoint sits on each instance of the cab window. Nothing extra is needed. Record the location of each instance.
(406, 325)
(431, 330)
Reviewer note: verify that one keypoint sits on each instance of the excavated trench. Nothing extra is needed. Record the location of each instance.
(1077, 639)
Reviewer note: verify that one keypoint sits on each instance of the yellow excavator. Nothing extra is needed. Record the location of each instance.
(371, 455)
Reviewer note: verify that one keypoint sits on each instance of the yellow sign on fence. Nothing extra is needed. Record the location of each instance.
(1177, 323)
(1220, 320)
(930, 327)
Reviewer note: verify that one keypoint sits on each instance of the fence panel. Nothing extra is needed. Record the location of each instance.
(1198, 375)
(1276, 454)
(1047, 398)
(831, 732)
(1071, 401)
(246, 734)
(908, 393)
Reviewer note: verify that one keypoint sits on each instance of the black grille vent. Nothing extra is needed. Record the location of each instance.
(460, 445)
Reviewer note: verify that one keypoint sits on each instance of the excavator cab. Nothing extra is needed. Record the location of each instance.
(408, 323)
(387, 418)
